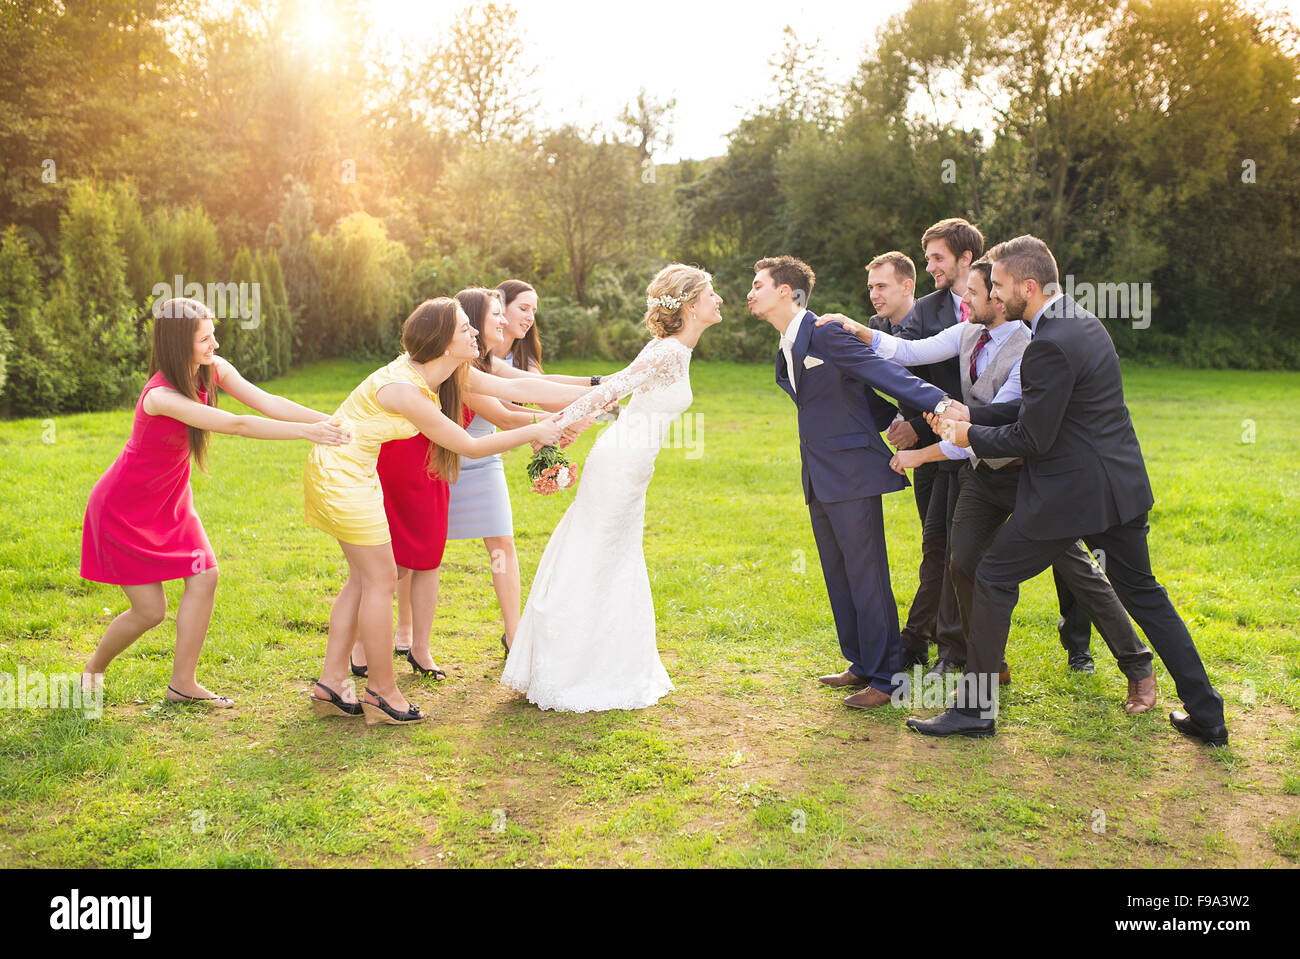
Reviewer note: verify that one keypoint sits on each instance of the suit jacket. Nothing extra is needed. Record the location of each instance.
(931, 314)
(1084, 471)
(840, 414)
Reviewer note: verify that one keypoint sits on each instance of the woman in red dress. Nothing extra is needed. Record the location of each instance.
(140, 528)
(415, 501)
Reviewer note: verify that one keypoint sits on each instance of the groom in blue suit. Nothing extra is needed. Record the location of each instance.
(832, 378)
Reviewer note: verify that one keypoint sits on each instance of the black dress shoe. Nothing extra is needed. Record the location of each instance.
(1082, 664)
(950, 722)
(1185, 724)
(915, 653)
(942, 666)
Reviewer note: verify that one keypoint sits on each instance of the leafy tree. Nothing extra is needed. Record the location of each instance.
(591, 202)
(39, 378)
(365, 286)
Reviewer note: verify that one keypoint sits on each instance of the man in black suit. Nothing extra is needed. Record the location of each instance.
(1084, 477)
(950, 246)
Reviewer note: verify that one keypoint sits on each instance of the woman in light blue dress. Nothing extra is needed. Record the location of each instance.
(479, 507)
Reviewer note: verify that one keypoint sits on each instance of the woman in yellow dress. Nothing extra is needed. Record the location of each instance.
(420, 391)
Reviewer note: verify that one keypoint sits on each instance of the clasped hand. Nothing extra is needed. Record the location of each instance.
(951, 429)
(905, 460)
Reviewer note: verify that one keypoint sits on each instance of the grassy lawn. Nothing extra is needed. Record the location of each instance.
(749, 762)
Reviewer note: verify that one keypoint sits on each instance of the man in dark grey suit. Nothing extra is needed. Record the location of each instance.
(950, 246)
(1083, 477)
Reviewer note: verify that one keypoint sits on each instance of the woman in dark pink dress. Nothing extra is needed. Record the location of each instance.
(141, 529)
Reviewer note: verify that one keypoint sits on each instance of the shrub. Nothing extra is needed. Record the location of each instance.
(365, 284)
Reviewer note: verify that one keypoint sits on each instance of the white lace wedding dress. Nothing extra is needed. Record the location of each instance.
(587, 637)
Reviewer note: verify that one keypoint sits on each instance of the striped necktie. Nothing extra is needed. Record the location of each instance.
(985, 337)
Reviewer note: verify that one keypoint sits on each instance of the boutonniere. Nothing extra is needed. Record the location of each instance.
(811, 362)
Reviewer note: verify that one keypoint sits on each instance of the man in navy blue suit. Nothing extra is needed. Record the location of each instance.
(832, 378)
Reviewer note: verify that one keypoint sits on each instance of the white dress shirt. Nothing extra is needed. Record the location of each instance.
(787, 345)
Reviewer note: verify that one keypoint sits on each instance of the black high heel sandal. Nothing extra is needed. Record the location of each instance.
(357, 670)
(334, 706)
(387, 715)
(505, 645)
(436, 673)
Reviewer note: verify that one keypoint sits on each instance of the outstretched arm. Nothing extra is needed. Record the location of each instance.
(503, 369)
(406, 400)
(856, 360)
(905, 460)
(1046, 385)
(525, 389)
(163, 401)
(651, 363)
(268, 404)
(944, 345)
(1046, 388)
(500, 415)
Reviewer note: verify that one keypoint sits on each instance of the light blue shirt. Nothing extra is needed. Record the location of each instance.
(1033, 324)
(945, 345)
(956, 304)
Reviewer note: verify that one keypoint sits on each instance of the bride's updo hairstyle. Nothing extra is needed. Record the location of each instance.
(667, 295)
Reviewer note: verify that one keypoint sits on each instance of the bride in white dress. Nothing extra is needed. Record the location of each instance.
(587, 637)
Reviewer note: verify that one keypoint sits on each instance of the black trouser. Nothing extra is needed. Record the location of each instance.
(1075, 626)
(987, 498)
(934, 616)
(1015, 557)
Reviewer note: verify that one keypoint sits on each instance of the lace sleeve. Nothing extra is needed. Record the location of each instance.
(658, 364)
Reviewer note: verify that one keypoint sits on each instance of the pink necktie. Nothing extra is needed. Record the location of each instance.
(965, 311)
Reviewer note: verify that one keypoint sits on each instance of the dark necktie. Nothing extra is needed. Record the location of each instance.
(985, 337)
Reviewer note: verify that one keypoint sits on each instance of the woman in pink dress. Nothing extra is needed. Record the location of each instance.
(140, 528)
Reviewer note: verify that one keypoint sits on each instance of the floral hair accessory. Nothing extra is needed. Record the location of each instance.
(666, 302)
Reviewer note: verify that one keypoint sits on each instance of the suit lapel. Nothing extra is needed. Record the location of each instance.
(782, 380)
(946, 316)
(800, 348)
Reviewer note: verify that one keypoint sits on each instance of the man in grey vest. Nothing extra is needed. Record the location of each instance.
(989, 351)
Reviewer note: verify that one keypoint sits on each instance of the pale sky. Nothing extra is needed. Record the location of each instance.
(712, 55)
(593, 57)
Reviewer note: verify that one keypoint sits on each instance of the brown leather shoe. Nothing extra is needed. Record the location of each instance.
(1004, 678)
(846, 678)
(1141, 695)
(869, 698)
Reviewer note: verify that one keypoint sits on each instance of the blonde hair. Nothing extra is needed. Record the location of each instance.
(669, 292)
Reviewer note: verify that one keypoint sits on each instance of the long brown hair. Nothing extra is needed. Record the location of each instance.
(426, 334)
(527, 350)
(476, 302)
(175, 322)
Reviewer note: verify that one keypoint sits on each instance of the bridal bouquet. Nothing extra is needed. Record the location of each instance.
(551, 471)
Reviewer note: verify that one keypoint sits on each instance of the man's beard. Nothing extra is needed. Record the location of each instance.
(1014, 307)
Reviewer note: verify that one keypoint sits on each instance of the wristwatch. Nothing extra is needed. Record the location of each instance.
(942, 405)
(595, 381)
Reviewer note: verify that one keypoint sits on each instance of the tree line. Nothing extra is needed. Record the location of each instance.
(1154, 144)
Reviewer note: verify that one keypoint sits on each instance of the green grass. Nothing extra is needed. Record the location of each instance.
(748, 763)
